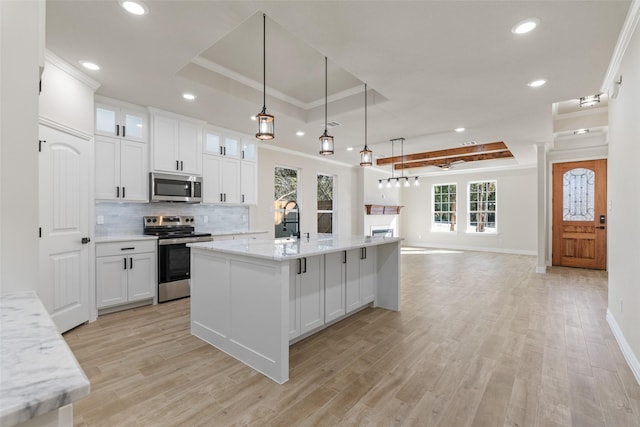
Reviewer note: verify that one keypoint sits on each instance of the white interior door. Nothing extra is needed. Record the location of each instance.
(64, 218)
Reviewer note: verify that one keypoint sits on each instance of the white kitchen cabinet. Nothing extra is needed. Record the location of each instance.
(176, 143)
(249, 151)
(220, 142)
(118, 121)
(220, 180)
(361, 277)
(125, 272)
(306, 309)
(248, 183)
(335, 277)
(121, 169)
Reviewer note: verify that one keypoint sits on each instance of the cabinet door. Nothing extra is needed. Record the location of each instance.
(165, 144)
(211, 184)
(134, 171)
(334, 285)
(107, 152)
(232, 146)
(106, 120)
(294, 301)
(248, 183)
(368, 277)
(190, 148)
(111, 281)
(212, 143)
(353, 280)
(135, 125)
(231, 180)
(249, 151)
(311, 294)
(141, 282)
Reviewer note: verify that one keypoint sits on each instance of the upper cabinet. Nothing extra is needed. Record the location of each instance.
(218, 142)
(176, 143)
(120, 120)
(249, 151)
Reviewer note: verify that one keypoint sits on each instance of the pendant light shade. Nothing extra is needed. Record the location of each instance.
(366, 155)
(264, 119)
(326, 141)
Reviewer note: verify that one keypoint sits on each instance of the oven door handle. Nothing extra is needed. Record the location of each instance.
(181, 240)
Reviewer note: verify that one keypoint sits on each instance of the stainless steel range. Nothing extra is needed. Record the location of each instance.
(174, 232)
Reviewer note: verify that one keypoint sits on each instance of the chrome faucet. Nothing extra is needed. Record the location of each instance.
(296, 221)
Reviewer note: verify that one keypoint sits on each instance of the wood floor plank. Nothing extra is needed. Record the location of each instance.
(481, 340)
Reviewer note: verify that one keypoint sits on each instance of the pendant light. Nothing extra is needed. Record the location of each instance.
(326, 141)
(366, 156)
(264, 119)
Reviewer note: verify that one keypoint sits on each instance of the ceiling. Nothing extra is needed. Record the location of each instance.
(430, 66)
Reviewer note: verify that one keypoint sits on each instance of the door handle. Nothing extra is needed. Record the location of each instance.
(601, 227)
(85, 240)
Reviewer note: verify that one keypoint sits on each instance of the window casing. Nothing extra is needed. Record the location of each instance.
(325, 203)
(444, 208)
(482, 206)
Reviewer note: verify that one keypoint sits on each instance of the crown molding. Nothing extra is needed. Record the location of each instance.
(69, 69)
(628, 28)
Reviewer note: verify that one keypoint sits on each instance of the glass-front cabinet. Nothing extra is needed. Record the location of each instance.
(121, 122)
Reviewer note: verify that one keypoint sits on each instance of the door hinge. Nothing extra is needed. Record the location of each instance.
(40, 142)
(40, 232)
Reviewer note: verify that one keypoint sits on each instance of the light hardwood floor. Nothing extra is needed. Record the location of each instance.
(481, 340)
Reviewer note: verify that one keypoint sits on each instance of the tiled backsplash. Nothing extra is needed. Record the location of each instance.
(126, 218)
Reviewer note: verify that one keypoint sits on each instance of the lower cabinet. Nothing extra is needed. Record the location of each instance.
(306, 295)
(335, 277)
(125, 272)
(361, 281)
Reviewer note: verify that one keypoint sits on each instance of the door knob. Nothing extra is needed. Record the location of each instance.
(86, 240)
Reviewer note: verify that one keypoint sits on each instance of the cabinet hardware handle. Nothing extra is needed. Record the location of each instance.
(123, 190)
(177, 165)
(220, 196)
(243, 154)
(224, 151)
(299, 266)
(124, 131)
(117, 130)
(85, 240)
(127, 249)
(181, 165)
(220, 149)
(131, 263)
(125, 263)
(365, 253)
(243, 198)
(305, 265)
(225, 197)
(344, 260)
(117, 192)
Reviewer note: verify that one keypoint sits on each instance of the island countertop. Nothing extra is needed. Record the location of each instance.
(288, 249)
(38, 371)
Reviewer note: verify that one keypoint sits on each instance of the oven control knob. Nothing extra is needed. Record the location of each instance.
(148, 219)
(155, 220)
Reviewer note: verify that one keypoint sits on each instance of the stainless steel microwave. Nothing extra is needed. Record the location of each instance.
(165, 187)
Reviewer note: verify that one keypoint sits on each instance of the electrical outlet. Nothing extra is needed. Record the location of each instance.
(205, 219)
(100, 219)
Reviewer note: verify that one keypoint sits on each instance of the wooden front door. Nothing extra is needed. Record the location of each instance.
(579, 214)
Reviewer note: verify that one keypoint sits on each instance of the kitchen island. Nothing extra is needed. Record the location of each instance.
(253, 298)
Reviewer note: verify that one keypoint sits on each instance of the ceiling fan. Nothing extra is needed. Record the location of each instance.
(449, 165)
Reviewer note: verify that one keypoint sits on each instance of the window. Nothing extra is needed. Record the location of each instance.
(482, 207)
(286, 214)
(325, 204)
(444, 207)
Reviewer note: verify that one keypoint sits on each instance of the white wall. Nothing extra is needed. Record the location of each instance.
(346, 191)
(624, 208)
(516, 213)
(372, 195)
(20, 39)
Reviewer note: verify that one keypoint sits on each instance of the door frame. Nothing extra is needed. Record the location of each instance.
(591, 153)
(89, 138)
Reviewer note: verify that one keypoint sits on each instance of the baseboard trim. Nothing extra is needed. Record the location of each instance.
(629, 356)
(470, 248)
(541, 270)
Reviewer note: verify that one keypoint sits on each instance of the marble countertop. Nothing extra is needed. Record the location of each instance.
(286, 249)
(124, 238)
(38, 371)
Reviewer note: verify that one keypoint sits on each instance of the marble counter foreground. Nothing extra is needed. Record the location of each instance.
(38, 371)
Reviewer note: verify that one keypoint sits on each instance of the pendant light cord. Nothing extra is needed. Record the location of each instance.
(365, 116)
(264, 62)
(325, 95)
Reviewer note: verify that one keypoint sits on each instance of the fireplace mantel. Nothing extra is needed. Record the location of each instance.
(382, 209)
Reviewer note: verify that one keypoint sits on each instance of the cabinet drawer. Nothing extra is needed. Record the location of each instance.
(125, 247)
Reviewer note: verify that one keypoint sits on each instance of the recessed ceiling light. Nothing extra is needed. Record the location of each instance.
(459, 129)
(580, 131)
(525, 26)
(300, 133)
(90, 65)
(188, 96)
(134, 7)
(537, 83)
(349, 148)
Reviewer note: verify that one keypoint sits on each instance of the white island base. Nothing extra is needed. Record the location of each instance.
(252, 298)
